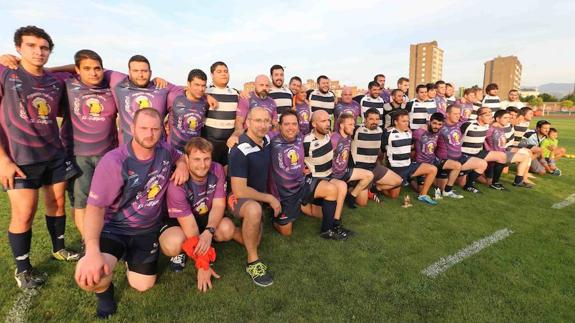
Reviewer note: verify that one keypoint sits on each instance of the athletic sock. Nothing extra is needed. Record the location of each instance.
(106, 302)
(350, 201)
(471, 177)
(56, 228)
(20, 245)
(448, 188)
(497, 171)
(518, 179)
(328, 213)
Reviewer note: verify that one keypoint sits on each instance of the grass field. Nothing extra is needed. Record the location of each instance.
(375, 276)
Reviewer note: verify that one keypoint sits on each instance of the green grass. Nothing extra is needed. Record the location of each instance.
(375, 276)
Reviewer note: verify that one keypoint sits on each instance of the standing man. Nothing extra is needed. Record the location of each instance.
(373, 100)
(295, 84)
(417, 108)
(440, 98)
(123, 216)
(397, 103)
(322, 98)
(384, 94)
(346, 105)
(403, 85)
(491, 100)
(449, 94)
(249, 164)
(221, 128)
(31, 153)
(258, 98)
(189, 111)
(302, 110)
(512, 100)
(282, 96)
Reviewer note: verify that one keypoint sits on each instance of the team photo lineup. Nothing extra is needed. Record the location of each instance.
(152, 169)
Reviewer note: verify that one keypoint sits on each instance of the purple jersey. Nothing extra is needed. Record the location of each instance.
(131, 190)
(441, 104)
(341, 152)
(495, 139)
(304, 113)
(93, 114)
(425, 144)
(129, 98)
(450, 141)
(386, 95)
(245, 105)
(29, 106)
(352, 108)
(196, 198)
(287, 165)
(186, 120)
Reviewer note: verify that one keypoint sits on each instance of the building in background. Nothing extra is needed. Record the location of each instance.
(425, 64)
(505, 72)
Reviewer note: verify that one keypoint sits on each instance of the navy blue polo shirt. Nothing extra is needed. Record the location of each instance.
(250, 161)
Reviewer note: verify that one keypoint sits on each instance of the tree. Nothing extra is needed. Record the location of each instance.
(536, 102)
(548, 97)
(527, 98)
(566, 103)
(570, 97)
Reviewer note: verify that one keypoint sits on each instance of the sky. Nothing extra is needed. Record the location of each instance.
(349, 41)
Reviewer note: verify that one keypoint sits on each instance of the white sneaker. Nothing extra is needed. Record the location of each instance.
(437, 194)
(452, 194)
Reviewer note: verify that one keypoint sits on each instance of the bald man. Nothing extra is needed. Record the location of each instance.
(346, 105)
(249, 164)
(259, 97)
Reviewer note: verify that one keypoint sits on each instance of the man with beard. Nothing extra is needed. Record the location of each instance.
(495, 140)
(449, 148)
(341, 144)
(417, 108)
(282, 96)
(319, 160)
(384, 94)
(366, 147)
(258, 98)
(295, 85)
(322, 98)
(373, 100)
(425, 142)
(300, 193)
(397, 103)
(123, 215)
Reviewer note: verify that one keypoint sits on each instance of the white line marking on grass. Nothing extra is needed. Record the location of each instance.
(18, 312)
(447, 262)
(566, 202)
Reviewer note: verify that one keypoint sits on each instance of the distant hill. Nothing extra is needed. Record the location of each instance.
(557, 89)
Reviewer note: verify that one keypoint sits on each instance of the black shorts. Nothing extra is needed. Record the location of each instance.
(57, 170)
(406, 172)
(346, 175)
(202, 223)
(140, 251)
(291, 206)
(220, 151)
(481, 155)
(441, 173)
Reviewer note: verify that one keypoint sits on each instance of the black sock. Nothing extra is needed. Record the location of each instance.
(471, 177)
(328, 212)
(497, 171)
(374, 189)
(489, 170)
(56, 228)
(106, 302)
(448, 188)
(20, 245)
(350, 201)
(518, 179)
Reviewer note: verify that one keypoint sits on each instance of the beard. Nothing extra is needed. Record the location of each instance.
(146, 142)
(262, 94)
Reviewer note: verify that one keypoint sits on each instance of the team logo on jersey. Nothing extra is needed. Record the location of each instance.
(293, 157)
(430, 148)
(502, 141)
(95, 107)
(305, 116)
(42, 107)
(455, 138)
(344, 155)
(143, 102)
(202, 208)
(192, 123)
(153, 191)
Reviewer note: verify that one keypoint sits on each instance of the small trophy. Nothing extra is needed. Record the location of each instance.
(406, 202)
(438, 194)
